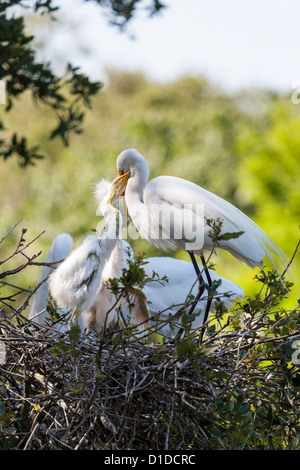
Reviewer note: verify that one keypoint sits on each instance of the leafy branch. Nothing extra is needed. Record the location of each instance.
(68, 96)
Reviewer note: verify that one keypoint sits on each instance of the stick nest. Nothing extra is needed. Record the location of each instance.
(115, 391)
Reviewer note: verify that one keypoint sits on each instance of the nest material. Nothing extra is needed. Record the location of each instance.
(116, 392)
(126, 395)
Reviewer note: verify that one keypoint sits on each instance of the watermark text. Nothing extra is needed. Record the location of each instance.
(2, 92)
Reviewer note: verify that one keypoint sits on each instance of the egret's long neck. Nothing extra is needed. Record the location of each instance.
(134, 190)
(110, 242)
(112, 231)
(134, 199)
(112, 269)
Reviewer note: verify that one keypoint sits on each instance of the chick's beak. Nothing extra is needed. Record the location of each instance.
(120, 182)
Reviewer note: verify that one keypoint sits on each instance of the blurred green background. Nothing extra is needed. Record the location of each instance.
(245, 147)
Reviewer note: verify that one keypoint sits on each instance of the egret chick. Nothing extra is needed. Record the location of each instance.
(74, 284)
(104, 308)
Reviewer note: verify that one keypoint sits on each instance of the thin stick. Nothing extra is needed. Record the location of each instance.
(10, 231)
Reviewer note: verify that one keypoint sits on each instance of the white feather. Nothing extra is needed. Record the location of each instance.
(102, 188)
(77, 279)
(168, 298)
(59, 249)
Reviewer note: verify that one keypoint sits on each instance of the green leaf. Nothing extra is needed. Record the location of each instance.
(230, 235)
(74, 334)
(244, 409)
(185, 347)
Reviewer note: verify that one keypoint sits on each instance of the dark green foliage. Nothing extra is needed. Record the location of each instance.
(134, 275)
(21, 72)
(67, 96)
(121, 11)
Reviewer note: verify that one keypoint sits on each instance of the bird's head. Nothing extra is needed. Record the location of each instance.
(131, 165)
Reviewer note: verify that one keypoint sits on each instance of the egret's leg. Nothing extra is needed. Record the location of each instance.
(209, 297)
(201, 289)
(209, 281)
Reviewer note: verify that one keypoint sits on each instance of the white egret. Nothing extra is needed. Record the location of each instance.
(103, 311)
(171, 212)
(162, 300)
(59, 249)
(75, 283)
(66, 281)
(80, 282)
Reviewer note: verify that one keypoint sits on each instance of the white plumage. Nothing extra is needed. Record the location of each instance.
(75, 282)
(168, 298)
(162, 299)
(59, 249)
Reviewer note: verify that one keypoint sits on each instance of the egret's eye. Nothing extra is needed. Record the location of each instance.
(121, 172)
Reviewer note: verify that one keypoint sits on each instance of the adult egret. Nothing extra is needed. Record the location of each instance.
(171, 212)
(59, 249)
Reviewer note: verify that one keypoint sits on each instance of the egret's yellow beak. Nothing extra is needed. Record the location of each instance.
(119, 184)
(122, 180)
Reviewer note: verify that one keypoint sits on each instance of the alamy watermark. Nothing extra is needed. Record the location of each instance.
(2, 353)
(162, 222)
(2, 92)
(296, 354)
(296, 93)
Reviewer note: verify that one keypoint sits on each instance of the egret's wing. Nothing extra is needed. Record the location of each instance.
(59, 249)
(182, 281)
(187, 199)
(168, 299)
(77, 276)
